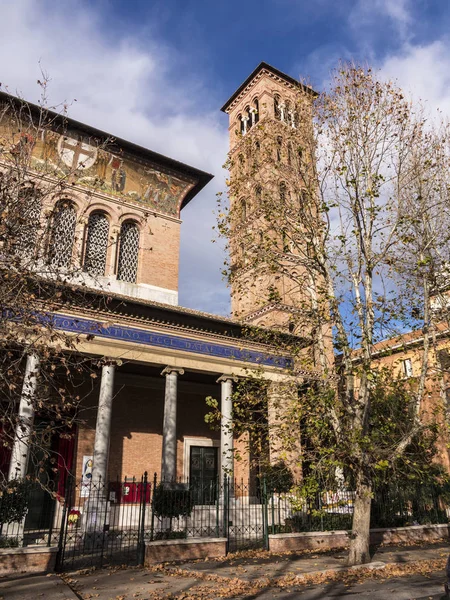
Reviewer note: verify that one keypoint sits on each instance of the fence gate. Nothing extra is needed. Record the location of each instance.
(245, 515)
(103, 524)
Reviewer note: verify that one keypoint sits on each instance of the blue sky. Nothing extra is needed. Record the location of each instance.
(157, 71)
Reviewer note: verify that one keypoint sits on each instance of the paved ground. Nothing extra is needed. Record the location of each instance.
(254, 577)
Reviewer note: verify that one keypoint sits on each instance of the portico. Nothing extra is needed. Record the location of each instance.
(147, 409)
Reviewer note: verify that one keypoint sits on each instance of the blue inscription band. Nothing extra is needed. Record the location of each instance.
(164, 340)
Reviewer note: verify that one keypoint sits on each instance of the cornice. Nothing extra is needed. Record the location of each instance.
(263, 73)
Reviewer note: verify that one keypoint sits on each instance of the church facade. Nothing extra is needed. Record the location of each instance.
(118, 222)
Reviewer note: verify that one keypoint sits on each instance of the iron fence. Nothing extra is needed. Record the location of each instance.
(99, 524)
(29, 516)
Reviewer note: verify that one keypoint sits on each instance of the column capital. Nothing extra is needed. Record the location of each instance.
(224, 378)
(111, 362)
(168, 370)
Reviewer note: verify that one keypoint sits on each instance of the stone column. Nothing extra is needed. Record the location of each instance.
(21, 448)
(103, 426)
(226, 426)
(169, 447)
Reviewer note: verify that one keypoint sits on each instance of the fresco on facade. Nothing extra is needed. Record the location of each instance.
(94, 167)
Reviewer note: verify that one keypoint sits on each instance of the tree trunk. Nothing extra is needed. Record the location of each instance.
(359, 542)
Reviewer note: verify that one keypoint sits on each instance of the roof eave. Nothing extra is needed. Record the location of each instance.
(260, 67)
(202, 177)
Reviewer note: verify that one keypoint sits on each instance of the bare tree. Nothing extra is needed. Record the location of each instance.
(333, 239)
(40, 271)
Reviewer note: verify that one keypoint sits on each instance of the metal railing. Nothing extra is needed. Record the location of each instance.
(28, 516)
(98, 524)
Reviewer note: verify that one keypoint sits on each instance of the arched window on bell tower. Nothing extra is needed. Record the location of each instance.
(241, 125)
(62, 234)
(127, 265)
(243, 209)
(249, 121)
(279, 148)
(256, 107)
(276, 107)
(96, 243)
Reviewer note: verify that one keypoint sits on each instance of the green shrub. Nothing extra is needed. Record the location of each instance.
(278, 478)
(14, 496)
(171, 501)
(9, 542)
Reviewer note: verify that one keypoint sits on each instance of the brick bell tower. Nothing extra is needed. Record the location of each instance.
(265, 130)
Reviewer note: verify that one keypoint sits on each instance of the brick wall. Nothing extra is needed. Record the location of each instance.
(27, 560)
(136, 428)
(169, 550)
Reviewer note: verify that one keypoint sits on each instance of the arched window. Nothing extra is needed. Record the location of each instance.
(243, 207)
(258, 193)
(96, 244)
(256, 107)
(241, 125)
(279, 148)
(287, 112)
(289, 153)
(282, 191)
(63, 234)
(27, 222)
(276, 107)
(249, 116)
(128, 252)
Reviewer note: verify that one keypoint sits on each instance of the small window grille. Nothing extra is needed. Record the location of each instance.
(96, 244)
(63, 234)
(128, 252)
(29, 224)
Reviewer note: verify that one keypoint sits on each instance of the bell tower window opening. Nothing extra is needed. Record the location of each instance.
(241, 125)
(128, 252)
(279, 148)
(243, 207)
(96, 244)
(63, 234)
(276, 107)
(256, 110)
(249, 115)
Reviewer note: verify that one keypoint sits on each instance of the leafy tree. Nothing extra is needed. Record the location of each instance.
(36, 281)
(345, 246)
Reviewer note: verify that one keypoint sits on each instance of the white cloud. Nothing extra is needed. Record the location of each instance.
(366, 19)
(423, 72)
(131, 89)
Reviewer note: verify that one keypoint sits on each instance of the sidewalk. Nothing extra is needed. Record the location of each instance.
(233, 577)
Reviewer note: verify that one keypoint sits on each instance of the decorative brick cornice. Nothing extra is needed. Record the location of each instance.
(264, 72)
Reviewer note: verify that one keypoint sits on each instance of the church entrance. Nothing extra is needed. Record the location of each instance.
(203, 473)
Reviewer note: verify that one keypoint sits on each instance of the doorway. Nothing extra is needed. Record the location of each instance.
(203, 473)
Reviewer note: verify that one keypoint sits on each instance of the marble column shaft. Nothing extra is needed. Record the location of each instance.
(21, 446)
(103, 426)
(169, 446)
(226, 426)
